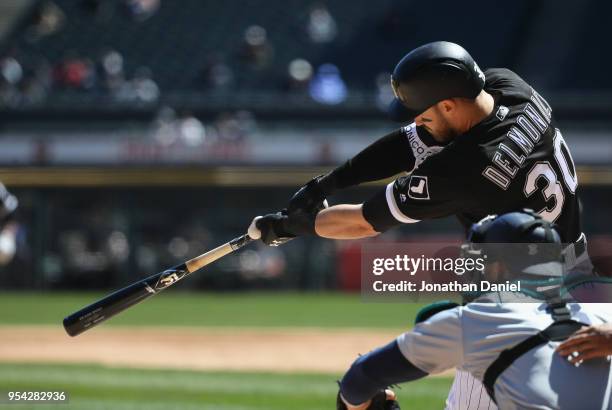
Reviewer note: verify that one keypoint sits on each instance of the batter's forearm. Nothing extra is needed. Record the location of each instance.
(343, 222)
(386, 157)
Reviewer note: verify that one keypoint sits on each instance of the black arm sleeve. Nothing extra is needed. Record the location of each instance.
(376, 211)
(437, 188)
(384, 158)
(376, 370)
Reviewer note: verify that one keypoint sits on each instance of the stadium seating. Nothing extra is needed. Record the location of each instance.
(179, 44)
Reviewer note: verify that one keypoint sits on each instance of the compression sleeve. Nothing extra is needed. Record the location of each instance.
(382, 159)
(376, 370)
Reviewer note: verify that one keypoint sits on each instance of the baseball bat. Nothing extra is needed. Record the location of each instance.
(115, 303)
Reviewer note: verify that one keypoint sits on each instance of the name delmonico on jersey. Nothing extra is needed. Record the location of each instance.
(527, 132)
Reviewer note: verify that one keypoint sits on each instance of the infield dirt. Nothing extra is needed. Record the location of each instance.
(234, 349)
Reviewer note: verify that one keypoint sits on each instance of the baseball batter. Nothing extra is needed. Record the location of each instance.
(476, 143)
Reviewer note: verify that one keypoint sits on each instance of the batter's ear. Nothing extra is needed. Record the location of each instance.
(447, 106)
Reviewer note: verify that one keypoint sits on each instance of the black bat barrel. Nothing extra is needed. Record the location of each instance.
(106, 308)
(122, 299)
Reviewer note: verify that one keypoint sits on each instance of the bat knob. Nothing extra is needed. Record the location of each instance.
(253, 230)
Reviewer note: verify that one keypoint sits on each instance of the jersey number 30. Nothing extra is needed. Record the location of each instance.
(553, 190)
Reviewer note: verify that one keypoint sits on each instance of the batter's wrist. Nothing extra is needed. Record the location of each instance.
(327, 184)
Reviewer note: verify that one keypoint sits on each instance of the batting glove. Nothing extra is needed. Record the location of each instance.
(309, 198)
(278, 228)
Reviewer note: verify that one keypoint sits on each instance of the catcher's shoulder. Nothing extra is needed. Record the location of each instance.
(430, 310)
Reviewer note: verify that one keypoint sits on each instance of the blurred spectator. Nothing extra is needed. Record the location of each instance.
(11, 75)
(165, 131)
(235, 127)
(327, 86)
(247, 124)
(8, 225)
(384, 92)
(325, 155)
(321, 27)
(38, 83)
(145, 88)
(47, 19)
(74, 72)
(40, 154)
(256, 51)
(178, 247)
(141, 89)
(142, 9)
(216, 74)
(111, 70)
(11, 71)
(34, 92)
(186, 129)
(24, 84)
(299, 74)
(191, 130)
(228, 127)
(117, 246)
(264, 263)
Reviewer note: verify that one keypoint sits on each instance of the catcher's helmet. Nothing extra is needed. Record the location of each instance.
(432, 73)
(523, 241)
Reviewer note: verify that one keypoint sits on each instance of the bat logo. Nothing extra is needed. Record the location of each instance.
(168, 278)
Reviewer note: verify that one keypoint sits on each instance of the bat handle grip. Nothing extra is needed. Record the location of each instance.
(254, 232)
(240, 241)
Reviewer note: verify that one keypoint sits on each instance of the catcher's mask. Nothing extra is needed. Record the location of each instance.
(528, 246)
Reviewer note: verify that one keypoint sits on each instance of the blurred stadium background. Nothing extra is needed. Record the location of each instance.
(139, 133)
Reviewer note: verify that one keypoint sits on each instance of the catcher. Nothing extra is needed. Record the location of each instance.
(509, 347)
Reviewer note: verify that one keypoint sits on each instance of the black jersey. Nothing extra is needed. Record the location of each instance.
(515, 158)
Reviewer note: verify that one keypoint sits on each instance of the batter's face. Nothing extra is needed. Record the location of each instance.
(438, 121)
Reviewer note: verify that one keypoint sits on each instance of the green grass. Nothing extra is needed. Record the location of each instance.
(328, 310)
(96, 387)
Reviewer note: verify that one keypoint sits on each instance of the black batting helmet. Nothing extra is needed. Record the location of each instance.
(432, 73)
